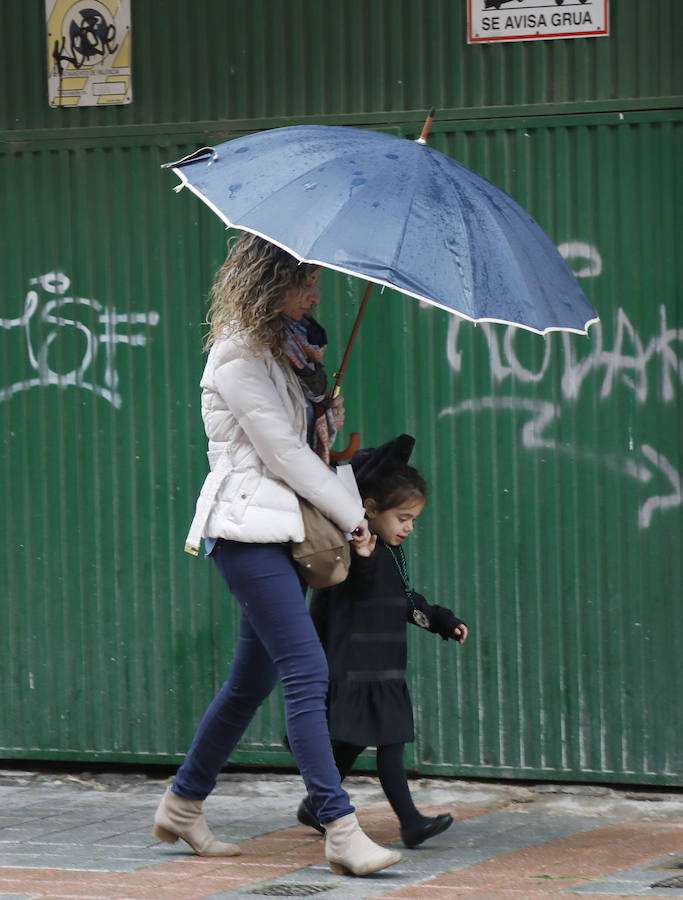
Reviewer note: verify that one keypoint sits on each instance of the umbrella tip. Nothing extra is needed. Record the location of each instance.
(427, 125)
(202, 153)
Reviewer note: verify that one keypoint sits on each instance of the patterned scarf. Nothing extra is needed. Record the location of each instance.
(305, 351)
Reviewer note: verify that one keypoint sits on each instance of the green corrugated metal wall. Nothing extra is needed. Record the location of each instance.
(555, 523)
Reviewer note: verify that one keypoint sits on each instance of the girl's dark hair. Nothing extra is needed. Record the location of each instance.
(395, 484)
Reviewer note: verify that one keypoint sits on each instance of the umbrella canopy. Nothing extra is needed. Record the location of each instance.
(397, 213)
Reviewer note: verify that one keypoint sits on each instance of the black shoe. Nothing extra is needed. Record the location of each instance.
(306, 816)
(413, 837)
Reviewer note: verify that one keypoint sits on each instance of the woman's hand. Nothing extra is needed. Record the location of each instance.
(338, 412)
(363, 541)
(317, 353)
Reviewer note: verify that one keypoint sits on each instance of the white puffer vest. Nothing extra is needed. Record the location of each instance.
(254, 415)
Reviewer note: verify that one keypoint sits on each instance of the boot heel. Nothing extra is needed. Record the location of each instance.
(163, 834)
(338, 869)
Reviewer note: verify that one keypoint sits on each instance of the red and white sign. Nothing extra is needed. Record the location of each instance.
(534, 20)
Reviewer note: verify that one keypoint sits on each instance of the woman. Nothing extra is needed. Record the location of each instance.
(255, 417)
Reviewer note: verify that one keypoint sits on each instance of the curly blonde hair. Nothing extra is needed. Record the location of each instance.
(249, 291)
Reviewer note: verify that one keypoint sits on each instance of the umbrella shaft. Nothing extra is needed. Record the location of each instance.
(339, 376)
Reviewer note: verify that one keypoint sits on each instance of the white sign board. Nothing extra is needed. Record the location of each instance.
(88, 52)
(489, 21)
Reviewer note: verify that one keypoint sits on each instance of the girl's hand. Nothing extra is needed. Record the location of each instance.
(460, 632)
(363, 541)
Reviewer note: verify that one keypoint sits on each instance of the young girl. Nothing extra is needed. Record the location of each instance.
(362, 626)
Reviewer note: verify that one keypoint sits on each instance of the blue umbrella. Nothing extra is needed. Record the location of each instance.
(394, 212)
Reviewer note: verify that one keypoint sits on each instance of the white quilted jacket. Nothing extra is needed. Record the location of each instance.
(254, 415)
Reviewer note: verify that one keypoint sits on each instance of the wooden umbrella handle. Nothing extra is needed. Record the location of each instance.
(341, 455)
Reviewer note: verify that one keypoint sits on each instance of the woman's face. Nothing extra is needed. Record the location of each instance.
(299, 300)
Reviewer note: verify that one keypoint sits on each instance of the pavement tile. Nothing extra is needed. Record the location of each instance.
(506, 842)
(562, 864)
(18, 896)
(638, 881)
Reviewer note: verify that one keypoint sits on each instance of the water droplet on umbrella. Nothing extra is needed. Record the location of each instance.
(242, 150)
(311, 186)
(391, 155)
(453, 247)
(234, 189)
(355, 182)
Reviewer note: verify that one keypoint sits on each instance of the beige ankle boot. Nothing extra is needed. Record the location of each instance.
(350, 851)
(180, 817)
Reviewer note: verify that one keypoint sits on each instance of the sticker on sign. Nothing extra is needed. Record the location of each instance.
(534, 20)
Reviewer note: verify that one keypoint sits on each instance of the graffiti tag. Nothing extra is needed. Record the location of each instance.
(632, 364)
(93, 36)
(60, 312)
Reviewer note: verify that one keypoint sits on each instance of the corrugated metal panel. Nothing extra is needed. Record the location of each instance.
(555, 522)
(553, 527)
(260, 59)
(109, 643)
(556, 466)
(97, 613)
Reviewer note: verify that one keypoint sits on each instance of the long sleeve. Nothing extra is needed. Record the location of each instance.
(362, 573)
(437, 619)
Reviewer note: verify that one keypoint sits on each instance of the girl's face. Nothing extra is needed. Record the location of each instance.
(300, 300)
(394, 525)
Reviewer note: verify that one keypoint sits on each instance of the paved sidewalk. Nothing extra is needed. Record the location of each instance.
(89, 837)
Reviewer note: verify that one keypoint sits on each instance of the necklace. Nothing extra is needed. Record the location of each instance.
(399, 559)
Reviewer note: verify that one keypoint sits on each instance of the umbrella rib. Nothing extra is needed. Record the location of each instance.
(436, 160)
(401, 239)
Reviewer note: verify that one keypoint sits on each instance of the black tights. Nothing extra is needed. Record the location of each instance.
(392, 777)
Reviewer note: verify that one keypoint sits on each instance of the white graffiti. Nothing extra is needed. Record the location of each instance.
(587, 256)
(643, 465)
(629, 368)
(662, 502)
(643, 368)
(53, 313)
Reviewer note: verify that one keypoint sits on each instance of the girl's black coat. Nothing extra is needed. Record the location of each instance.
(362, 626)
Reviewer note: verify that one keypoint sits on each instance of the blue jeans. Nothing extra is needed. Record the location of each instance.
(277, 640)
